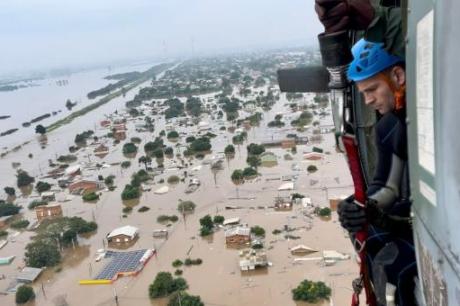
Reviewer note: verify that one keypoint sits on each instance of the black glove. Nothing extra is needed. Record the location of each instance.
(333, 14)
(342, 15)
(390, 223)
(351, 216)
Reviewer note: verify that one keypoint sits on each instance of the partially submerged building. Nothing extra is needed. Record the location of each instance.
(268, 159)
(48, 196)
(123, 234)
(283, 203)
(85, 186)
(48, 212)
(252, 259)
(28, 275)
(313, 156)
(239, 235)
(231, 221)
(101, 151)
(301, 249)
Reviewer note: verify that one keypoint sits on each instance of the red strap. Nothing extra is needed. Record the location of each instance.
(357, 174)
(355, 299)
(354, 163)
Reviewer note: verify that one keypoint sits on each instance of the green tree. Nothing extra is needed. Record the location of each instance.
(153, 145)
(169, 151)
(297, 196)
(146, 160)
(237, 176)
(186, 206)
(90, 197)
(126, 164)
(190, 139)
(253, 161)
(136, 140)
(8, 209)
(324, 212)
(258, 231)
(255, 149)
(79, 225)
(172, 135)
(229, 150)
(158, 153)
(237, 179)
(312, 168)
(10, 191)
(206, 221)
(249, 172)
(164, 285)
(193, 106)
(23, 179)
(24, 294)
(130, 192)
(201, 144)
(42, 186)
(20, 224)
(175, 109)
(40, 129)
(183, 299)
(129, 148)
(173, 179)
(109, 180)
(218, 219)
(311, 292)
(42, 253)
(36, 203)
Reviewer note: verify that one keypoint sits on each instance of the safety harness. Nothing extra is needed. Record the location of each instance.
(359, 240)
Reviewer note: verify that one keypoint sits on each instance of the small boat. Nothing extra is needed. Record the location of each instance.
(193, 185)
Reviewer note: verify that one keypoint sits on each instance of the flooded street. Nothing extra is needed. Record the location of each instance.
(218, 280)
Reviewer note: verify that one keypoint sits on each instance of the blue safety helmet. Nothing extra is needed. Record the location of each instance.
(369, 58)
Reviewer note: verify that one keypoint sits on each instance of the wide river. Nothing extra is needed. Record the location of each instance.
(48, 96)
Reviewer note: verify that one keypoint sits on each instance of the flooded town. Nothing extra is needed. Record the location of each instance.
(204, 174)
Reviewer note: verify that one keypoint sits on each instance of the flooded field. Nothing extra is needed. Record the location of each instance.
(218, 280)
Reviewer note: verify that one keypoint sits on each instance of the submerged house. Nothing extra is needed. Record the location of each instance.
(268, 159)
(85, 186)
(238, 235)
(101, 151)
(48, 212)
(301, 249)
(123, 234)
(283, 203)
(251, 259)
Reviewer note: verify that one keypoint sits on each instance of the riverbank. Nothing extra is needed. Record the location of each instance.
(151, 73)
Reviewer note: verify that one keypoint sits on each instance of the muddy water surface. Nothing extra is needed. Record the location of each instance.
(218, 279)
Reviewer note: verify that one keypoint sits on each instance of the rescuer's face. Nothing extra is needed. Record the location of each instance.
(377, 91)
(377, 94)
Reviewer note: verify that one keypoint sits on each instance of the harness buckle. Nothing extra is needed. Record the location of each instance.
(358, 285)
(359, 245)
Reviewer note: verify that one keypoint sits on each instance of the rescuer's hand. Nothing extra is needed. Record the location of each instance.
(341, 15)
(333, 14)
(351, 216)
(361, 14)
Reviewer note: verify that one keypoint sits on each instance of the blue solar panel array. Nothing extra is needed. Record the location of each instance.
(121, 262)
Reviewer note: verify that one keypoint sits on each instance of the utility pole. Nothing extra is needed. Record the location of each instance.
(43, 290)
(115, 295)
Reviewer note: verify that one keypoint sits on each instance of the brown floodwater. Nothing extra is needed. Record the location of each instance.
(218, 279)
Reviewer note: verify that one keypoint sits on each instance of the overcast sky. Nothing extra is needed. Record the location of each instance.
(37, 34)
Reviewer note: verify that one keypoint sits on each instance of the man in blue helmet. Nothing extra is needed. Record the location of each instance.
(381, 79)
